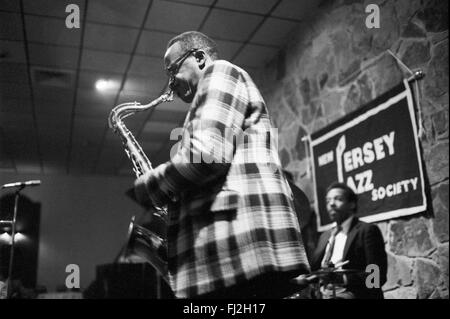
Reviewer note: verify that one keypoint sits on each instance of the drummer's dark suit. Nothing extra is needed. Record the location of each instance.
(364, 246)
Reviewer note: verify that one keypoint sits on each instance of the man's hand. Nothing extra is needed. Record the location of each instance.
(301, 280)
(333, 279)
(140, 191)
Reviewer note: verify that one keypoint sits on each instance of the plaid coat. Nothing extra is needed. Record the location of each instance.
(231, 211)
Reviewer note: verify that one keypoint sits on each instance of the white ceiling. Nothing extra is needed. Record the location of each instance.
(61, 126)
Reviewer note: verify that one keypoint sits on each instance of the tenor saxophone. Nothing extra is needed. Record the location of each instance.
(144, 242)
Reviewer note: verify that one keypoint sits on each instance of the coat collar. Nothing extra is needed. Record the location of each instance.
(354, 226)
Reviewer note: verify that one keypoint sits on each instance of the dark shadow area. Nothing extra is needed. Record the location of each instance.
(26, 247)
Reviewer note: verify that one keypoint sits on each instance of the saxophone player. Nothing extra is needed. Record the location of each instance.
(232, 228)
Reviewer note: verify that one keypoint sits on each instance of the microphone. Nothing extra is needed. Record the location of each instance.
(23, 184)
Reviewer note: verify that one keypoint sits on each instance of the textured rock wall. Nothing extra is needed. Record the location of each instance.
(333, 65)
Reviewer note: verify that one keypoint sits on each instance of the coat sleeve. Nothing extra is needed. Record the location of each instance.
(207, 146)
(319, 252)
(375, 251)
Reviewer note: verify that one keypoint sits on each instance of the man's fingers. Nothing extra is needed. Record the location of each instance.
(300, 280)
(140, 190)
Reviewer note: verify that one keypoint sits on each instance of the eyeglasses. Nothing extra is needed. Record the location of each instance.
(172, 70)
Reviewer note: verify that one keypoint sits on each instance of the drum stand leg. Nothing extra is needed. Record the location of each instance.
(158, 286)
(317, 289)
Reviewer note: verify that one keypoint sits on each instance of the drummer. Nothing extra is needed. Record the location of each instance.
(351, 242)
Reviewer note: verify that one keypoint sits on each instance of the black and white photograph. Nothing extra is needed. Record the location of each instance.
(221, 155)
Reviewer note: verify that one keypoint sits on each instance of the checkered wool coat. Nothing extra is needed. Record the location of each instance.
(233, 217)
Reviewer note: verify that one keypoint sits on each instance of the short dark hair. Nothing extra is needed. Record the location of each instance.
(196, 40)
(350, 195)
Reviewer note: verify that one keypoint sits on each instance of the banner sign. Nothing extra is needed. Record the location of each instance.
(375, 151)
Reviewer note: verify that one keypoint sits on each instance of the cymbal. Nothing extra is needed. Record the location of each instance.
(347, 271)
(327, 271)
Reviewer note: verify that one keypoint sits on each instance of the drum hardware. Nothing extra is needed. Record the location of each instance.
(316, 279)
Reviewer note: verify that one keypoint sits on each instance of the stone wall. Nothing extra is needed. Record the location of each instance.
(334, 64)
